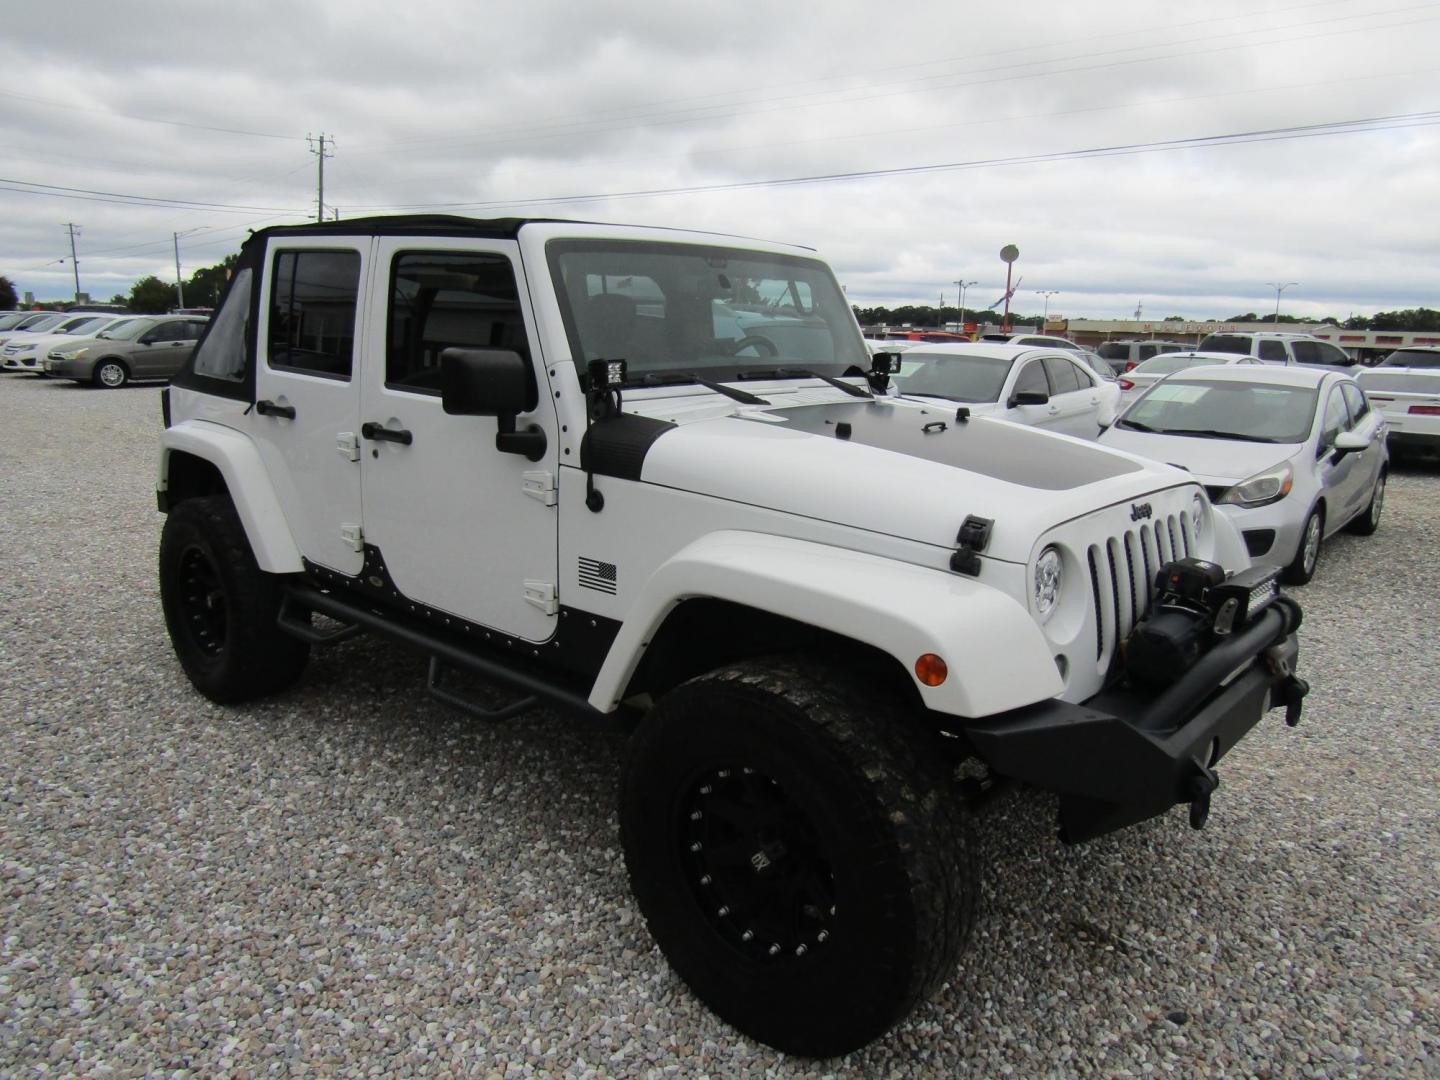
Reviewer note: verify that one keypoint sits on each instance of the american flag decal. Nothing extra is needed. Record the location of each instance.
(597, 575)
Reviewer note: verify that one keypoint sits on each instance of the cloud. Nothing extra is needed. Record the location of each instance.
(493, 105)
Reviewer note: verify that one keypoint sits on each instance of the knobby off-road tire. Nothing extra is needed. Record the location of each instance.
(798, 853)
(220, 607)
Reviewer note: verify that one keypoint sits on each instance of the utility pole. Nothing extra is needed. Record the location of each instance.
(179, 281)
(1279, 288)
(74, 261)
(321, 152)
(940, 313)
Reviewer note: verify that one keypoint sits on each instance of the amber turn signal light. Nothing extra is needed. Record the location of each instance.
(931, 669)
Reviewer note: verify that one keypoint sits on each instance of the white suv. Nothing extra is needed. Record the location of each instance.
(655, 476)
(1279, 348)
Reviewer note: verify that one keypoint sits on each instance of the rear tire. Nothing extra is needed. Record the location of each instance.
(797, 853)
(220, 607)
(1369, 521)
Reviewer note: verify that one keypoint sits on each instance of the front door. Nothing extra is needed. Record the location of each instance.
(462, 527)
(305, 419)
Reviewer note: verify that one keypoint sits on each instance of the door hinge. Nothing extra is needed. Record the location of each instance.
(348, 443)
(354, 536)
(541, 594)
(539, 484)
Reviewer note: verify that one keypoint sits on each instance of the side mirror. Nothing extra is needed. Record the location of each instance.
(493, 382)
(1350, 442)
(485, 382)
(1028, 397)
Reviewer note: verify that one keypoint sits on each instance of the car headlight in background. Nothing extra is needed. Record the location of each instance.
(1261, 489)
(1047, 581)
(67, 354)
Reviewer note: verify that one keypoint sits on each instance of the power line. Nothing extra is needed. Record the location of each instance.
(146, 119)
(1339, 127)
(92, 195)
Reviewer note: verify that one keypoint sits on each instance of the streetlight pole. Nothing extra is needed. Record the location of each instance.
(962, 286)
(1046, 293)
(1279, 288)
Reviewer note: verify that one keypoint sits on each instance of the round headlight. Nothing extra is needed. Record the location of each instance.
(1047, 581)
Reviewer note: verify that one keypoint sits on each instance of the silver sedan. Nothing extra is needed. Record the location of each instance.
(1290, 454)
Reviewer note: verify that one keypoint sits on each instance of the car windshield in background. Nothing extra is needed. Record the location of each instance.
(1164, 365)
(1256, 412)
(671, 310)
(128, 331)
(1412, 358)
(958, 378)
(88, 325)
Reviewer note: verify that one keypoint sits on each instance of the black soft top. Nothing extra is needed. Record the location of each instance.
(411, 225)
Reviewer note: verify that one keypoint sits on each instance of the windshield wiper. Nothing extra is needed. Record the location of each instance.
(1135, 425)
(1211, 433)
(797, 373)
(942, 397)
(681, 378)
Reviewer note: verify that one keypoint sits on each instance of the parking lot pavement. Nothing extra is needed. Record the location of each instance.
(352, 879)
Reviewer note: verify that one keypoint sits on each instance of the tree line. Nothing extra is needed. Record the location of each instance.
(150, 295)
(1414, 320)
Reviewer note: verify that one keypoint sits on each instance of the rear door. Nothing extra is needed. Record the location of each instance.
(1074, 399)
(306, 417)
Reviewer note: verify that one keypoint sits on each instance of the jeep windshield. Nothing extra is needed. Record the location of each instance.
(673, 311)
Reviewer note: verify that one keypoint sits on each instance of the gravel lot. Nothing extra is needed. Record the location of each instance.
(352, 880)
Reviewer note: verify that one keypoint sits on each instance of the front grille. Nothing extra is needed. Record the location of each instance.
(1122, 575)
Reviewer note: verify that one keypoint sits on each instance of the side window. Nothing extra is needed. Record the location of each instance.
(193, 330)
(1332, 355)
(1147, 352)
(1064, 379)
(222, 356)
(1305, 352)
(312, 312)
(442, 299)
(1032, 378)
(167, 332)
(1337, 419)
(1355, 398)
(1272, 352)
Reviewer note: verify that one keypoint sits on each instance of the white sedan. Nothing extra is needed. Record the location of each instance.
(1146, 374)
(1049, 388)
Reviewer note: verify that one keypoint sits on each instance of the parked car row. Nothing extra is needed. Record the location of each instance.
(1292, 453)
(101, 348)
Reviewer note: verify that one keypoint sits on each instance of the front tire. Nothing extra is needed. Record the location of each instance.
(796, 853)
(1307, 555)
(111, 375)
(220, 607)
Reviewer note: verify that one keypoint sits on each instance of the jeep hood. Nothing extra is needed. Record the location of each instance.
(896, 468)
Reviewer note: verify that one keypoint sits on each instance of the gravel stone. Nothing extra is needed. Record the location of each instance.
(353, 880)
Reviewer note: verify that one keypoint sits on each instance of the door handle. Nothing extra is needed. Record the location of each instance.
(380, 433)
(269, 408)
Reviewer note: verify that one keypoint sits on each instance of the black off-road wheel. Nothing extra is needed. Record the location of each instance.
(798, 852)
(220, 607)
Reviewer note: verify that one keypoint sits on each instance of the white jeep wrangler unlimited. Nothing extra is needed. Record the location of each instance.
(657, 475)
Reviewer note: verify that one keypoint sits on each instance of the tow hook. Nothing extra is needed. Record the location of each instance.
(1201, 787)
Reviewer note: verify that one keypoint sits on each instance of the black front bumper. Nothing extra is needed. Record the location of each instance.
(1126, 755)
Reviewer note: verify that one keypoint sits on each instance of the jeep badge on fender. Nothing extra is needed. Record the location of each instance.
(651, 476)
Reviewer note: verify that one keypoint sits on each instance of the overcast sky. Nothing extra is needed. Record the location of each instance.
(138, 120)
